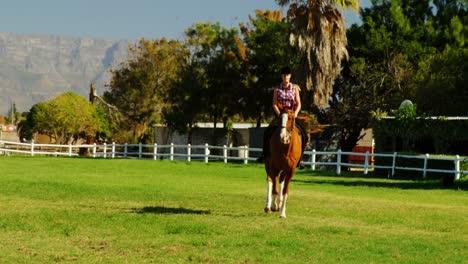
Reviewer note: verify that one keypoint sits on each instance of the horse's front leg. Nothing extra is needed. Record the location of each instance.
(269, 194)
(283, 206)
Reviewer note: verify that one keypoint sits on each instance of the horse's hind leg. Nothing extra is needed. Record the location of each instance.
(280, 197)
(284, 194)
(278, 194)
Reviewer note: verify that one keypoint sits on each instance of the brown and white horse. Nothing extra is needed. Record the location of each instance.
(285, 152)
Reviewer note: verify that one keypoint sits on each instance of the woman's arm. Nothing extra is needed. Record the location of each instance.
(275, 102)
(298, 100)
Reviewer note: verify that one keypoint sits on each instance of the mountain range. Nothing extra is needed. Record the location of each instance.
(35, 68)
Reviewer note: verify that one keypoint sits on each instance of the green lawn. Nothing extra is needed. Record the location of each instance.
(143, 211)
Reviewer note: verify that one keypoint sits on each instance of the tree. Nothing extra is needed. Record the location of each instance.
(267, 41)
(448, 23)
(423, 47)
(442, 88)
(442, 73)
(184, 103)
(33, 123)
(399, 52)
(221, 57)
(65, 119)
(13, 116)
(137, 88)
(378, 75)
(319, 32)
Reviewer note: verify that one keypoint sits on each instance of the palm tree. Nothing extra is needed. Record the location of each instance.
(319, 32)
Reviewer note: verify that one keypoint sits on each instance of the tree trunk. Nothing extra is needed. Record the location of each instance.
(259, 121)
(348, 142)
(189, 134)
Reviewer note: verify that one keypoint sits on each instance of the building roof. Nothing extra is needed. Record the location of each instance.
(220, 125)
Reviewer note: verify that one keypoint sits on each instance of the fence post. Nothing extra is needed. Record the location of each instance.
(457, 167)
(189, 152)
(105, 150)
(140, 150)
(32, 147)
(246, 159)
(313, 157)
(113, 150)
(394, 164)
(207, 152)
(69, 150)
(125, 150)
(366, 163)
(338, 162)
(94, 150)
(225, 153)
(425, 165)
(155, 151)
(172, 152)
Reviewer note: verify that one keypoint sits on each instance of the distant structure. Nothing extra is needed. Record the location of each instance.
(92, 94)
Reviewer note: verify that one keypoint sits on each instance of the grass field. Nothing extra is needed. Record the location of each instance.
(141, 211)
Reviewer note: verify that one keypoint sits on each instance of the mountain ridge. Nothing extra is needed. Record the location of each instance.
(38, 67)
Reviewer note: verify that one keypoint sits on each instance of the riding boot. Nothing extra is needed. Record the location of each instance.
(265, 152)
(266, 145)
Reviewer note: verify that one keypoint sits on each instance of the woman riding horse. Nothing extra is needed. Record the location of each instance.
(280, 165)
(286, 96)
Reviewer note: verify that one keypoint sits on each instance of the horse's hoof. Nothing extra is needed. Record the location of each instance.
(282, 216)
(275, 210)
(267, 210)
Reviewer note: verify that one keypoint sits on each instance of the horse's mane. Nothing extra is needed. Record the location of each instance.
(309, 123)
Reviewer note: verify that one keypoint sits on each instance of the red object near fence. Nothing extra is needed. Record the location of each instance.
(8, 128)
(358, 159)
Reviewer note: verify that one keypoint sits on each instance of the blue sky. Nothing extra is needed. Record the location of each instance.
(126, 19)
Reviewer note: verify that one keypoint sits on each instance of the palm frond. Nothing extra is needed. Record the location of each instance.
(319, 32)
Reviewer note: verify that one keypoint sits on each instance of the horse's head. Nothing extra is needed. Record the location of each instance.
(287, 125)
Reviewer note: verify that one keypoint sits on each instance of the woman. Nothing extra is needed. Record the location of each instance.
(285, 95)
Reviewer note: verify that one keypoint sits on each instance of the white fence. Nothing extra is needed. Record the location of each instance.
(223, 153)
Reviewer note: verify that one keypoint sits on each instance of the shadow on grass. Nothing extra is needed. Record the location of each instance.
(375, 184)
(354, 180)
(167, 210)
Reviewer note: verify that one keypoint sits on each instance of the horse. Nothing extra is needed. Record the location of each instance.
(285, 152)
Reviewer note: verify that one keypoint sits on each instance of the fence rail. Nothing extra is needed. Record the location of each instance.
(224, 153)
